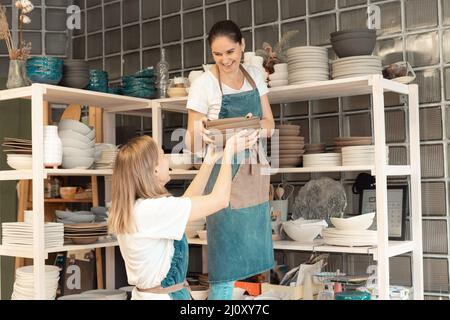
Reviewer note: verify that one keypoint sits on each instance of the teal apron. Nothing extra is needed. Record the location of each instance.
(240, 236)
(178, 270)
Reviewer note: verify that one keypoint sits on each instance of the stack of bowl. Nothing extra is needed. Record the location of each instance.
(307, 64)
(354, 48)
(76, 74)
(304, 231)
(24, 283)
(341, 142)
(105, 155)
(71, 217)
(47, 70)
(353, 42)
(98, 81)
(351, 231)
(140, 85)
(289, 148)
(315, 148)
(78, 141)
(280, 77)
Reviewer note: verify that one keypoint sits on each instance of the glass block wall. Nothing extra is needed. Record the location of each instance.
(122, 36)
(47, 31)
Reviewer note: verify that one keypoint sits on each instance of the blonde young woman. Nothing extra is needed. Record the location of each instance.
(150, 223)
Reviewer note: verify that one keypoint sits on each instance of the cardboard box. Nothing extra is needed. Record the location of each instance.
(253, 288)
(295, 293)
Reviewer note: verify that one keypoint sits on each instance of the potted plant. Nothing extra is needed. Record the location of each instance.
(277, 54)
(18, 54)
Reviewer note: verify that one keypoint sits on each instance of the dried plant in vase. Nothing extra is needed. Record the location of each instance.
(18, 55)
(277, 54)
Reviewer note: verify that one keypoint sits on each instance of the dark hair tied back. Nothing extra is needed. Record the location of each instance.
(225, 28)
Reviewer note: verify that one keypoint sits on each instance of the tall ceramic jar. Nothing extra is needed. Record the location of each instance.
(52, 147)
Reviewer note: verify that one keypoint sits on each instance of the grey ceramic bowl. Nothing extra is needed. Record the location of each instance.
(356, 32)
(353, 47)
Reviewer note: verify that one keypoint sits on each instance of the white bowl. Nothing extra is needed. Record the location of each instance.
(77, 162)
(361, 222)
(278, 83)
(76, 126)
(199, 294)
(75, 152)
(305, 233)
(70, 134)
(179, 160)
(278, 76)
(202, 234)
(20, 164)
(72, 143)
(280, 67)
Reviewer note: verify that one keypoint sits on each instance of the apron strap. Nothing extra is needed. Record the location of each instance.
(246, 76)
(167, 290)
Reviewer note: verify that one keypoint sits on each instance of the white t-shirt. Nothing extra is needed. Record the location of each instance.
(205, 95)
(148, 252)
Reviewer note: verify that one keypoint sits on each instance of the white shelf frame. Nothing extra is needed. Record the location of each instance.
(375, 85)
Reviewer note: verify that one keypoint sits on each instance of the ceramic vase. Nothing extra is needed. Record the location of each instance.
(17, 74)
(52, 147)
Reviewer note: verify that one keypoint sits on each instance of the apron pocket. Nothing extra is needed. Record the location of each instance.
(250, 186)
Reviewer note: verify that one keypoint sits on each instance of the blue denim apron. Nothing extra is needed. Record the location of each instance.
(178, 270)
(239, 240)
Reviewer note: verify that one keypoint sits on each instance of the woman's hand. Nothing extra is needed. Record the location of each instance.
(205, 132)
(241, 141)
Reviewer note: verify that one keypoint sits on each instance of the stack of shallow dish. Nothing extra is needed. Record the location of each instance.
(356, 66)
(341, 142)
(290, 146)
(18, 153)
(24, 283)
(222, 129)
(21, 234)
(307, 64)
(107, 159)
(85, 233)
(98, 81)
(322, 160)
(280, 77)
(315, 148)
(351, 231)
(359, 155)
(78, 141)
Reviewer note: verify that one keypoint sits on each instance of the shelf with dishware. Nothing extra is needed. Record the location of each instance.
(27, 252)
(395, 247)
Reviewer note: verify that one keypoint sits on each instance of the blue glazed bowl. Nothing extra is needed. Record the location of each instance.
(47, 70)
(144, 73)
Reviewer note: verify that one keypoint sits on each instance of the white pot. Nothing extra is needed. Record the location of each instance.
(52, 147)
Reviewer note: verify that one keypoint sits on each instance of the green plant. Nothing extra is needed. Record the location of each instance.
(276, 54)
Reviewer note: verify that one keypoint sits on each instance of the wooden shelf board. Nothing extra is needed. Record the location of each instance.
(8, 175)
(58, 200)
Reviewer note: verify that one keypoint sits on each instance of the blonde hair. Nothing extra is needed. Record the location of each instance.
(133, 178)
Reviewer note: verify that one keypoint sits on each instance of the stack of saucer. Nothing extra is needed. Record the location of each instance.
(356, 66)
(85, 233)
(307, 64)
(322, 160)
(360, 156)
(20, 234)
(315, 148)
(351, 238)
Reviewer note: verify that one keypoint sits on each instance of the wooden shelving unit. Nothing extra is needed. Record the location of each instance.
(375, 85)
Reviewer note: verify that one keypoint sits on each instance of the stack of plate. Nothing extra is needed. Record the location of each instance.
(70, 217)
(351, 238)
(307, 64)
(356, 66)
(107, 158)
(21, 234)
(290, 146)
(85, 233)
(341, 142)
(315, 148)
(322, 160)
(358, 156)
(16, 146)
(141, 84)
(24, 284)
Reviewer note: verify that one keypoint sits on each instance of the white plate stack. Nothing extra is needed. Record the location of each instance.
(280, 77)
(358, 156)
(307, 64)
(290, 146)
(21, 234)
(350, 238)
(24, 284)
(105, 155)
(356, 66)
(322, 160)
(341, 142)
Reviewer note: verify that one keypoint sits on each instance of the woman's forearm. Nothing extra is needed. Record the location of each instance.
(198, 185)
(268, 127)
(222, 188)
